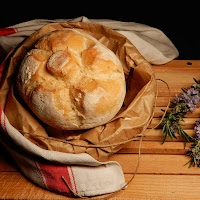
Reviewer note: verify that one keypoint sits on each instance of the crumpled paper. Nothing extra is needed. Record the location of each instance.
(130, 121)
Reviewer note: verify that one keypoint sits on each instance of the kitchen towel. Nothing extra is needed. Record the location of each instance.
(84, 175)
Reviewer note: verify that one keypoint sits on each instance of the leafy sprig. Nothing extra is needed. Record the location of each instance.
(183, 104)
(194, 151)
(171, 124)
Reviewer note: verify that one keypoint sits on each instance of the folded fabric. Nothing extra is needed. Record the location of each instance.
(85, 176)
(152, 43)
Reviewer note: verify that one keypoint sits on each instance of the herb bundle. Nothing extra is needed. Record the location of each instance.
(171, 123)
(194, 151)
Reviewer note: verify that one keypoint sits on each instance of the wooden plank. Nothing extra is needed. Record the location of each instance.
(158, 112)
(143, 186)
(156, 135)
(155, 163)
(178, 64)
(163, 91)
(163, 101)
(156, 147)
(188, 123)
(15, 186)
(161, 187)
(181, 75)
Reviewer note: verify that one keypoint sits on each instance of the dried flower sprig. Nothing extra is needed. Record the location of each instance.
(194, 151)
(183, 104)
(186, 103)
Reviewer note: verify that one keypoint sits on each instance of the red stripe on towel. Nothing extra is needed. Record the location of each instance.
(53, 174)
(7, 31)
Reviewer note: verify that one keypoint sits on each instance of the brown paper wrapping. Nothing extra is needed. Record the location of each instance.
(128, 123)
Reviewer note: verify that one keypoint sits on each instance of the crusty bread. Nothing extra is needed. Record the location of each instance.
(71, 81)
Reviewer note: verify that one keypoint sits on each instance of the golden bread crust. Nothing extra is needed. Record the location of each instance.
(71, 81)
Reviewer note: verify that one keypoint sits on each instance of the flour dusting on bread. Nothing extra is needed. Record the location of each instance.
(71, 81)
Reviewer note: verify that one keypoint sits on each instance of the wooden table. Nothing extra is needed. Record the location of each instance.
(161, 174)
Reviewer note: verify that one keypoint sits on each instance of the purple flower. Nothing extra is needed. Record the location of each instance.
(190, 97)
(194, 85)
(185, 97)
(177, 99)
(197, 129)
(198, 136)
(197, 157)
(192, 107)
(195, 99)
(192, 91)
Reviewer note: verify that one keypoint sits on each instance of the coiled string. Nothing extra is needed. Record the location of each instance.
(116, 144)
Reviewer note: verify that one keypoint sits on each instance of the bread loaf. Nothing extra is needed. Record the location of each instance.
(71, 81)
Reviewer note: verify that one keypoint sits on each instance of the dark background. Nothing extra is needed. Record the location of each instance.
(180, 22)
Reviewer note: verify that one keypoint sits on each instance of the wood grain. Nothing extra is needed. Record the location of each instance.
(161, 187)
(156, 147)
(15, 186)
(162, 174)
(144, 186)
(155, 164)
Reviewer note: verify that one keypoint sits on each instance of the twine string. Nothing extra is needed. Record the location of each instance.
(113, 193)
(139, 150)
(116, 144)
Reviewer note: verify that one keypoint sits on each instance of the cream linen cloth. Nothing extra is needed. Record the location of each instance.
(152, 43)
(85, 175)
